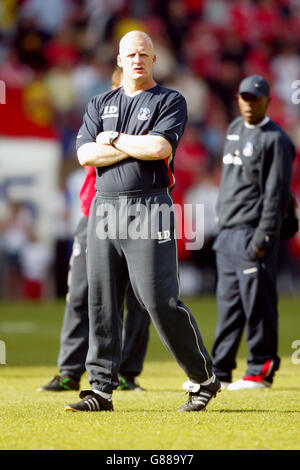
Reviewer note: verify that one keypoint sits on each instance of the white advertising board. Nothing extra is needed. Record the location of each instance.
(29, 173)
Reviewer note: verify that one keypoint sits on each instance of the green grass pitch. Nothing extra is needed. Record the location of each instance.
(261, 419)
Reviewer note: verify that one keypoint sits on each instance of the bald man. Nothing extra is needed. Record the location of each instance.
(130, 135)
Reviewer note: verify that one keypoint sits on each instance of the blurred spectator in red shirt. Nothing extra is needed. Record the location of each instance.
(201, 50)
(257, 60)
(62, 48)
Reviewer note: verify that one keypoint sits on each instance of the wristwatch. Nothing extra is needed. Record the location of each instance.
(113, 137)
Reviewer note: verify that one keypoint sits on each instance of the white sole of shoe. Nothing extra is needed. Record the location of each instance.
(247, 385)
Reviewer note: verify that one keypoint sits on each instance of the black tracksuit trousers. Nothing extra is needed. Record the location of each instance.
(150, 264)
(247, 297)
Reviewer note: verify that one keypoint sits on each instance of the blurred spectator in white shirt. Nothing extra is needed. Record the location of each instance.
(50, 15)
(35, 260)
(286, 69)
(14, 225)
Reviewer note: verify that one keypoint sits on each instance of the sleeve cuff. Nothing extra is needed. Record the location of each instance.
(262, 240)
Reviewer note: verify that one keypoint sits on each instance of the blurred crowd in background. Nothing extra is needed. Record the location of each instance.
(56, 54)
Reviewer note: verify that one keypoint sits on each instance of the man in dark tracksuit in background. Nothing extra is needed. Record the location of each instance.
(256, 176)
(131, 135)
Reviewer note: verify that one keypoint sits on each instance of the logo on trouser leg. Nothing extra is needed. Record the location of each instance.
(163, 236)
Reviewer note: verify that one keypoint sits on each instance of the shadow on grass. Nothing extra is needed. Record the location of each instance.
(286, 389)
(175, 410)
(153, 390)
(148, 411)
(256, 411)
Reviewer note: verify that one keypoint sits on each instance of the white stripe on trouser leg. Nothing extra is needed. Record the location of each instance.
(188, 314)
(197, 342)
(269, 369)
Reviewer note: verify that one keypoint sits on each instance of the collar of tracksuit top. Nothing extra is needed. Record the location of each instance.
(260, 124)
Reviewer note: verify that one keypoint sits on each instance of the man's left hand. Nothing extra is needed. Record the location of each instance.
(103, 137)
(259, 253)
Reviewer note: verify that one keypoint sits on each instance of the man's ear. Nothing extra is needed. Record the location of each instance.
(268, 101)
(154, 59)
(119, 61)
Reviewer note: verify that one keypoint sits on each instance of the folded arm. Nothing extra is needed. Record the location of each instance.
(141, 147)
(99, 155)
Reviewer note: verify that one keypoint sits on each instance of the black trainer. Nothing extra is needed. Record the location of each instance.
(200, 395)
(91, 401)
(126, 383)
(60, 384)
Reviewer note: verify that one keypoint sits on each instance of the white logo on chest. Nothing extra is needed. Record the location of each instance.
(230, 159)
(233, 137)
(248, 149)
(109, 112)
(144, 114)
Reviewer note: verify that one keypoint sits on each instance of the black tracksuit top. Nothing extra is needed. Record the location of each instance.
(157, 111)
(256, 176)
